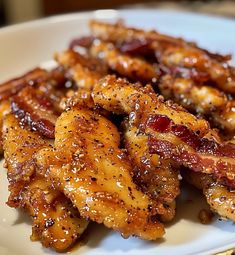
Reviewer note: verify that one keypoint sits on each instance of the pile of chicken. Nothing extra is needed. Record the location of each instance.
(94, 139)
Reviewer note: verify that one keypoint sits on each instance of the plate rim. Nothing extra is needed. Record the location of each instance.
(108, 13)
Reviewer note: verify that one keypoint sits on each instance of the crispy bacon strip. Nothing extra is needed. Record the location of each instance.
(55, 222)
(87, 165)
(220, 198)
(173, 133)
(33, 108)
(202, 99)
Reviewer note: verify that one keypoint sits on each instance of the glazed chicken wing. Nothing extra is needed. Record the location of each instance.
(87, 165)
(56, 223)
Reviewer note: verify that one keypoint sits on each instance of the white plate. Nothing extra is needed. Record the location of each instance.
(24, 46)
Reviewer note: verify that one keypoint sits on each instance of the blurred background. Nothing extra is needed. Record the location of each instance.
(15, 11)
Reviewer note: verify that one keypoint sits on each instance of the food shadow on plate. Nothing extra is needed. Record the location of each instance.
(188, 205)
(22, 217)
(100, 236)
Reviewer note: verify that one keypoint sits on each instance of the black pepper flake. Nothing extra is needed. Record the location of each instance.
(49, 223)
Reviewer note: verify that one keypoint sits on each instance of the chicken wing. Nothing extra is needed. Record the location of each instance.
(56, 223)
(87, 165)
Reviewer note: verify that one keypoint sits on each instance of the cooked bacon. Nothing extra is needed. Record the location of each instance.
(173, 133)
(84, 41)
(164, 124)
(35, 110)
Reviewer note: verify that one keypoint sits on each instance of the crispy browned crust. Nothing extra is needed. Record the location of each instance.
(87, 165)
(172, 132)
(171, 52)
(55, 222)
(203, 99)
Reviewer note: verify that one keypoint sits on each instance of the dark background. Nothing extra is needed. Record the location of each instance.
(15, 11)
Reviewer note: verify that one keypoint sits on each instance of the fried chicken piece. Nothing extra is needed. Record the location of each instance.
(121, 97)
(201, 99)
(169, 51)
(173, 133)
(118, 33)
(87, 165)
(156, 177)
(56, 223)
(219, 197)
(133, 68)
(84, 70)
(222, 74)
(5, 108)
(53, 78)
(132, 40)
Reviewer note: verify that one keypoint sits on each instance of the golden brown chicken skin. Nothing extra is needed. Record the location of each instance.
(83, 70)
(169, 51)
(156, 178)
(55, 222)
(5, 108)
(87, 165)
(219, 197)
(133, 68)
(201, 99)
(173, 133)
